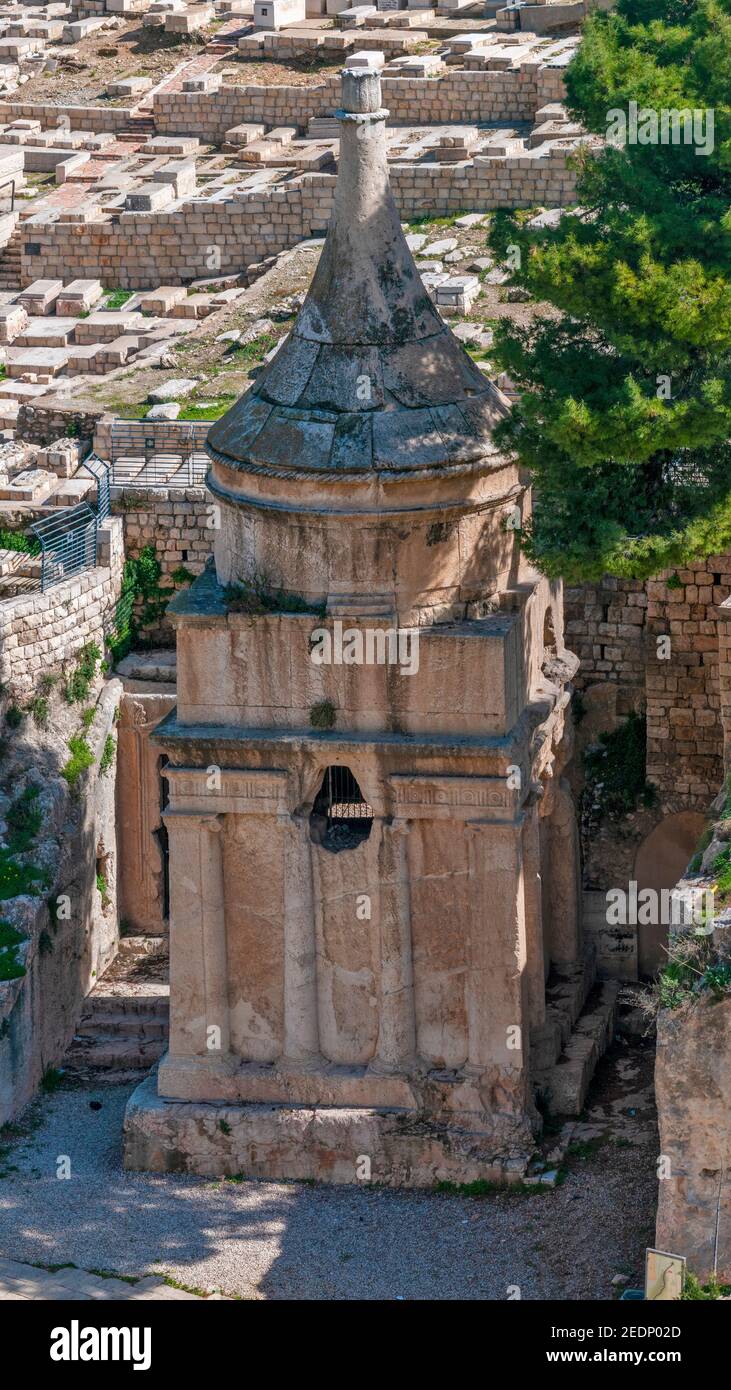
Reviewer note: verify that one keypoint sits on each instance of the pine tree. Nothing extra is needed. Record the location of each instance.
(624, 416)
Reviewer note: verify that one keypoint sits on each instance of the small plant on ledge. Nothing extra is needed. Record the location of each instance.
(322, 715)
(259, 596)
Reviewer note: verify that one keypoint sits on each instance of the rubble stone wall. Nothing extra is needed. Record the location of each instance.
(42, 421)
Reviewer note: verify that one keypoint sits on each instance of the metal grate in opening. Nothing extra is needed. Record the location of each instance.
(341, 817)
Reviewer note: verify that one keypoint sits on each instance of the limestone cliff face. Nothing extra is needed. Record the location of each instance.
(68, 927)
(693, 1084)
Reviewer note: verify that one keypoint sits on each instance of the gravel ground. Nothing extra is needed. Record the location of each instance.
(294, 1241)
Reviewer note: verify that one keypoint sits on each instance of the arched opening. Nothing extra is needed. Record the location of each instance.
(341, 818)
(661, 860)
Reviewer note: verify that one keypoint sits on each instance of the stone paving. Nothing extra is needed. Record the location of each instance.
(21, 1282)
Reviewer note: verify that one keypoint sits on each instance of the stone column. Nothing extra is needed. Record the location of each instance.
(496, 984)
(301, 1024)
(198, 964)
(565, 880)
(535, 965)
(397, 1024)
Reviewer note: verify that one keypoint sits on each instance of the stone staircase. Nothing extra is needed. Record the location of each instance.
(123, 1030)
(10, 262)
(578, 1030)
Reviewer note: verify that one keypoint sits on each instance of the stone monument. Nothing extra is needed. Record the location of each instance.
(373, 861)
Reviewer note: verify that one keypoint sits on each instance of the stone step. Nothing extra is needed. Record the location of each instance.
(563, 1085)
(115, 1054)
(137, 947)
(122, 1025)
(134, 1009)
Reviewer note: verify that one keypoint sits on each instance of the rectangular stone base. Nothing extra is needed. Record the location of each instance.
(329, 1144)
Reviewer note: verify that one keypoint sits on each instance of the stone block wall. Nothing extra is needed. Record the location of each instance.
(131, 438)
(684, 730)
(658, 643)
(97, 119)
(455, 96)
(724, 677)
(176, 521)
(605, 627)
(40, 632)
(141, 250)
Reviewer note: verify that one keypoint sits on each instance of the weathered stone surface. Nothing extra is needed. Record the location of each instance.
(693, 1086)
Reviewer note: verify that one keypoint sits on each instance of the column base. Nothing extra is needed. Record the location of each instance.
(322, 1143)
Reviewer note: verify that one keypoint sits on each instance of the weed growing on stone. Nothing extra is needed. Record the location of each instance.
(81, 759)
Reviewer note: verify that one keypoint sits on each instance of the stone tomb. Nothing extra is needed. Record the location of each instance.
(373, 858)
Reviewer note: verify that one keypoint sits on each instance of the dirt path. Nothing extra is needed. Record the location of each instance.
(294, 1241)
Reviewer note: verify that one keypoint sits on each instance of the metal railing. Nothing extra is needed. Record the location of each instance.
(68, 543)
(171, 456)
(100, 471)
(160, 470)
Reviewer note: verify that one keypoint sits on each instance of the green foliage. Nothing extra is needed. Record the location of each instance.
(693, 970)
(108, 752)
(615, 769)
(81, 759)
(116, 299)
(24, 820)
(258, 596)
(142, 601)
(47, 682)
(38, 708)
(102, 887)
(79, 682)
(627, 481)
(322, 715)
(18, 540)
(14, 716)
(51, 1080)
(181, 575)
(16, 879)
(693, 1289)
(10, 939)
(87, 717)
(722, 873)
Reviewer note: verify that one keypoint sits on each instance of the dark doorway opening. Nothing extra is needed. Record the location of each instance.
(341, 817)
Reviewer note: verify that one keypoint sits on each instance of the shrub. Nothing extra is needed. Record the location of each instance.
(39, 709)
(616, 777)
(81, 759)
(10, 939)
(108, 751)
(24, 820)
(322, 715)
(16, 879)
(79, 682)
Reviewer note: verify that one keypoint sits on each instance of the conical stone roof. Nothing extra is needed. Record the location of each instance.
(370, 379)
